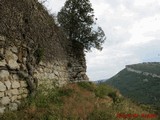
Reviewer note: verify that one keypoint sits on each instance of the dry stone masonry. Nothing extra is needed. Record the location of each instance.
(34, 52)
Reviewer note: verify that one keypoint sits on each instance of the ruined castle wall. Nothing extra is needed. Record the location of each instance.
(34, 52)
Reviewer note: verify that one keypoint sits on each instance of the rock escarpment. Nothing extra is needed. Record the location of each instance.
(34, 51)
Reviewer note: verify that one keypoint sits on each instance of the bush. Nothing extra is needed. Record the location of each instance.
(87, 85)
(100, 115)
(103, 90)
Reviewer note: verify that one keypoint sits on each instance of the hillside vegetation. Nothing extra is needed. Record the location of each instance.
(76, 101)
(139, 87)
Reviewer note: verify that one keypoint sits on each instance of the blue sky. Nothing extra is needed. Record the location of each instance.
(132, 28)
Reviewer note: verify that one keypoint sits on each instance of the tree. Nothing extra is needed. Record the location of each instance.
(77, 20)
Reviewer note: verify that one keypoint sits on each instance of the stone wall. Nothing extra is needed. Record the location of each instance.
(19, 76)
(12, 87)
(34, 51)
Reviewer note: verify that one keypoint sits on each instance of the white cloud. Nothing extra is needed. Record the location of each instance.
(132, 28)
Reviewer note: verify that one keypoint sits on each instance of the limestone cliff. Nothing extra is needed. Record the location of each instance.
(34, 51)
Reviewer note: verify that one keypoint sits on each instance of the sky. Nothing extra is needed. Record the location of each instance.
(132, 28)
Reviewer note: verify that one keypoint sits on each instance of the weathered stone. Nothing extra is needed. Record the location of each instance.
(14, 49)
(13, 106)
(13, 64)
(5, 100)
(2, 109)
(24, 95)
(15, 77)
(23, 83)
(21, 91)
(4, 74)
(25, 90)
(19, 97)
(2, 87)
(1, 51)
(1, 94)
(13, 98)
(8, 93)
(15, 84)
(11, 58)
(18, 102)
(14, 91)
(8, 84)
(2, 63)
(2, 38)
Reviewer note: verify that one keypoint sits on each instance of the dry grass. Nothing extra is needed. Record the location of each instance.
(74, 102)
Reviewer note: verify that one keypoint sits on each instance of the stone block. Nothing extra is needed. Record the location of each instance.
(23, 83)
(2, 38)
(19, 97)
(8, 93)
(13, 64)
(2, 109)
(13, 106)
(5, 100)
(14, 49)
(1, 94)
(15, 77)
(8, 84)
(25, 90)
(15, 84)
(24, 95)
(2, 87)
(3, 63)
(4, 74)
(11, 58)
(13, 98)
(14, 92)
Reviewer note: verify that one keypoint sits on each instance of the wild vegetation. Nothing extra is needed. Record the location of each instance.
(76, 101)
(141, 88)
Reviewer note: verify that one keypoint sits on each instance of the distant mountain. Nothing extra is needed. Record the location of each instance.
(99, 81)
(140, 82)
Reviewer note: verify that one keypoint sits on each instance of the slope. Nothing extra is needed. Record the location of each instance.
(77, 101)
(139, 82)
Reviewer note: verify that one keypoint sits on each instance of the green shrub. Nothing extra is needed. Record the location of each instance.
(100, 115)
(103, 90)
(87, 85)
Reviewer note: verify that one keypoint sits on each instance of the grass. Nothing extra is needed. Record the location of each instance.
(76, 101)
(132, 85)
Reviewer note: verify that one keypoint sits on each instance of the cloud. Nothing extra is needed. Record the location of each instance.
(132, 29)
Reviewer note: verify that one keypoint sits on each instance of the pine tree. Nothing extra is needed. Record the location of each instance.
(77, 20)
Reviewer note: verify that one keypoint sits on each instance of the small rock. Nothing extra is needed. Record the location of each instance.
(24, 95)
(2, 110)
(2, 87)
(13, 64)
(14, 91)
(4, 74)
(19, 97)
(1, 94)
(15, 77)
(11, 58)
(8, 93)
(13, 98)
(5, 100)
(15, 84)
(2, 63)
(2, 38)
(13, 106)
(23, 83)
(14, 49)
(8, 84)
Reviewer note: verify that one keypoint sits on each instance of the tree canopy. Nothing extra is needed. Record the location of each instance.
(77, 19)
